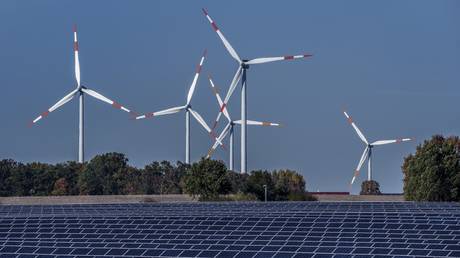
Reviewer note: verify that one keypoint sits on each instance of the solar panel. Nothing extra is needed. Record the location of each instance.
(278, 229)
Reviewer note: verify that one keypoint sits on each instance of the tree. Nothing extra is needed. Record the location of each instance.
(99, 175)
(129, 180)
(7, 167)
(60, 187)
(70, 172)
(288, 182)
(237, 181)
(255, 185)
(433, 172)
(370, 187)
(172, 176)
(207, 179)
(43, 178)
(152, 178)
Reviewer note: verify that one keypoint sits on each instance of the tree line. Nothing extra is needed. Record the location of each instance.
(110, 174)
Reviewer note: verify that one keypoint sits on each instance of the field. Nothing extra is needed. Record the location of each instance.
(274, 229)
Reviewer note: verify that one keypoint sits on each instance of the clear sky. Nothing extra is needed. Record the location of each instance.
(394, 65)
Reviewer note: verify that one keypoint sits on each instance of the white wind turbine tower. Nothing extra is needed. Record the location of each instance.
(243, 66)
(188, 110)
(80, 91)
(229, 127)
(367, 154)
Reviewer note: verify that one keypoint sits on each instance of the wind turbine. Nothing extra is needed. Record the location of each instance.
(188, 110)
(229, 127)
(243, 66)
(367, 154)
(79, 91)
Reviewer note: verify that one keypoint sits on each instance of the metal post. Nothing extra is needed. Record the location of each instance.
(187, 137)
(265, 189)
(81, 141)
(243, 121)
(231, 148)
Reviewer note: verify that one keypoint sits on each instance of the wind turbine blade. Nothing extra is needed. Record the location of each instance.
(273, 59)
(222, 37)
(61, 102)
(219, 99)
(360, 134)
(195, 79)
(168, 111)
(252, 122)
(233, 84)
(231, 89)
(221, 137)
(383, 142)
(203, 123)
(200, 120)
(77, 61)
(114, 104)
(360, 164)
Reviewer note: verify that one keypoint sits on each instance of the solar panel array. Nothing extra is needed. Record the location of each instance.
(274, 229)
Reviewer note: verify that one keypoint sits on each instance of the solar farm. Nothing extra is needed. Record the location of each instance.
(247, 229)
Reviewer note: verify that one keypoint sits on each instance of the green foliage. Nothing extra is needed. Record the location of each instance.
(151, 178)
(110, 173)
(240, 197)
(301, 197)
(370, 188)
(128, 181)
(255, 185)
(207, 179)
(282, 185)
(7, 168)
(21, 181)
(237, 181)
(163, 177)
(433, 172)
(70, 172)
(288, 182)
(60, 187)
(100, 174)
(43, 178)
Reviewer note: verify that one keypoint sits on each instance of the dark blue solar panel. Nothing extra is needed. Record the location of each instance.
(232, 230)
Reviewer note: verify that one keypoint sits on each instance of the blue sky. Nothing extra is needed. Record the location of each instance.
(394, 65)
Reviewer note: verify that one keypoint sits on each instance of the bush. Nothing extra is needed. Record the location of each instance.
(433, 172)
(301, 197)
(241, 197)
(370, 188)
(207, 179)
(238, 197)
